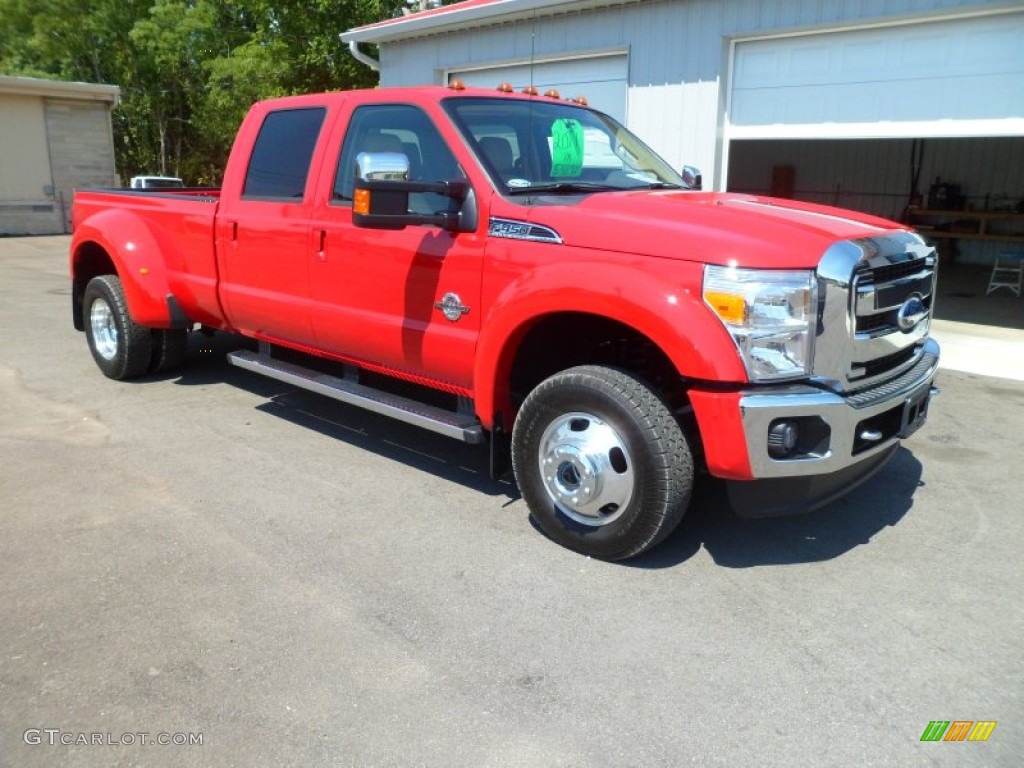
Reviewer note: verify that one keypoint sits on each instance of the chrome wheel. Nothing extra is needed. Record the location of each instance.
(121, 347)
(104, 329)
(601, 461)
(586, 469)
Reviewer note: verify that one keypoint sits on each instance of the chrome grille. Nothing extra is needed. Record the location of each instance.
(892, 272)
(883, 365)
(925, 363)
(886, 321)
(865, 289)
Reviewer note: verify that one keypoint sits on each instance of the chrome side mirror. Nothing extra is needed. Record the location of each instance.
(382, 166)
(381, 196)
(691, 176)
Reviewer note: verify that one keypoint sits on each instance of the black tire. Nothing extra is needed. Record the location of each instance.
(121, 347)
(617, 469)
(169, 348)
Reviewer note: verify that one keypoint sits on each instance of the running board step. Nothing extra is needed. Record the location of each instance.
(462, 427)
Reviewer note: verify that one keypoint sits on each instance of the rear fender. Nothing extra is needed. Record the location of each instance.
(139, 261)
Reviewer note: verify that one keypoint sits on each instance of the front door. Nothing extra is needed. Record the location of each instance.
(407, 301)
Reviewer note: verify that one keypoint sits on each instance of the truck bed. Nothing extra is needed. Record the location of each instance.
(176, 225)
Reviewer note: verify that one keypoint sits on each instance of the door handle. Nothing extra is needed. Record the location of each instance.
(321, 254)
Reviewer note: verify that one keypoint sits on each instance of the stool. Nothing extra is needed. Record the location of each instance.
(1007, 272)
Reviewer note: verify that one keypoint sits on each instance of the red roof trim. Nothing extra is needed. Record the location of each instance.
(464, 15)
(454, 8)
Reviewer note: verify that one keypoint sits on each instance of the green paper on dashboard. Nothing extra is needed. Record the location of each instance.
(566, 148)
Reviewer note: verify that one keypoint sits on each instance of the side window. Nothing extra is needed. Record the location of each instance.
(284, 148)
(397, 128)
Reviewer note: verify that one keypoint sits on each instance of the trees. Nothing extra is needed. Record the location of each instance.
(188, 69)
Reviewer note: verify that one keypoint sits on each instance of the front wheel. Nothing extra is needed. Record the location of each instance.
(121, 347)
(601, 462)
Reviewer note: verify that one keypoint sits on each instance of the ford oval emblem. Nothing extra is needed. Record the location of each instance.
(911, 313)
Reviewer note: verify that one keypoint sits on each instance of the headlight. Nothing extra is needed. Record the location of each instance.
(770, 315)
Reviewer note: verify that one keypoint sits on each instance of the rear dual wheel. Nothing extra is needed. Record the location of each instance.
(122, 348)
(601, 462)
(169, 347)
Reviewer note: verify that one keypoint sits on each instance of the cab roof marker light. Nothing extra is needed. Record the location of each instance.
(506, 88)
(457, 85)
(552, 94)
(530, 90)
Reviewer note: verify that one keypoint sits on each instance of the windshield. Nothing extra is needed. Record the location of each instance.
(537, 146)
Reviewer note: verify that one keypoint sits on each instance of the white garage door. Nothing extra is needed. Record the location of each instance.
(961, 77)
(602, 79)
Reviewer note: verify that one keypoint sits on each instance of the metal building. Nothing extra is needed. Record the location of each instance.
(822, 101)
(54, 137)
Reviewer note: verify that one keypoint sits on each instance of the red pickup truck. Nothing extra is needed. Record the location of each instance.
(519, 270)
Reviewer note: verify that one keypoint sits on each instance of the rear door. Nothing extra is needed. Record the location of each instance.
(263, 234)
(406, 301)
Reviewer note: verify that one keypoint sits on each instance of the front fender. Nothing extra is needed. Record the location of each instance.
(140, 263)
(658, 298)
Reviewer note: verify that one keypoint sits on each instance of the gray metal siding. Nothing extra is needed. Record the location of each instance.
(678, 54)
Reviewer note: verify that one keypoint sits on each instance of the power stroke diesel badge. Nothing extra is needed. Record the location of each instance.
(452, 307)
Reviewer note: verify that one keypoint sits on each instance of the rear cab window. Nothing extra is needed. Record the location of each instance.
(281, 157)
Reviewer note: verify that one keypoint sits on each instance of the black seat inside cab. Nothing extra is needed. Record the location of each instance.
(498, 152)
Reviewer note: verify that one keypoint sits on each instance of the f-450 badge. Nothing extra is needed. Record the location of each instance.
(452, 307)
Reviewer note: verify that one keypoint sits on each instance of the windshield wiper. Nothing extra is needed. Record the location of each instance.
(565, 188)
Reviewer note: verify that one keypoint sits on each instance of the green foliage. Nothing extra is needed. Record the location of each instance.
(188, 69)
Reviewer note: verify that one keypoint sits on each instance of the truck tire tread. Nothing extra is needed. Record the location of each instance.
(169, 348)
(134, 342)
(661, 453)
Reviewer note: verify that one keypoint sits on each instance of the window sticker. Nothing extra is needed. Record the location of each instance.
(566, 148)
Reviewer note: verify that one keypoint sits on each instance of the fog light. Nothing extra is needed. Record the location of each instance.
(782, 439)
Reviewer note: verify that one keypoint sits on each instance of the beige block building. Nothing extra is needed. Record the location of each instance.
(54, 137)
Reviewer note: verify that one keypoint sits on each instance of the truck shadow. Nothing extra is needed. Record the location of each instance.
(412, 446)
(731, 542)
(823, 534)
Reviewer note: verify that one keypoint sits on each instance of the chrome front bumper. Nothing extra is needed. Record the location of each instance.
(839, 432)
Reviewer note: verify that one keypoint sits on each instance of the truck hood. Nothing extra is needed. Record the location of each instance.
(705, 227)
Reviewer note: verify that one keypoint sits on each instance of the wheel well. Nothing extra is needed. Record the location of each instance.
(568, 339)
(90, 261)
